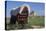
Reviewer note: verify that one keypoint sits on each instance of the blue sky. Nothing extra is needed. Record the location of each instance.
(35, 6)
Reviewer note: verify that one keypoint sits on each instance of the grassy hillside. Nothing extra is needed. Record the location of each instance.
(36, 20)
(33, 22)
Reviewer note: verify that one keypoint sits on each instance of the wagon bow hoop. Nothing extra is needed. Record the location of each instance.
(23, 7)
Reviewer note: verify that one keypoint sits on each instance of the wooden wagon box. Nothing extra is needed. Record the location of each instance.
(22, 18)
